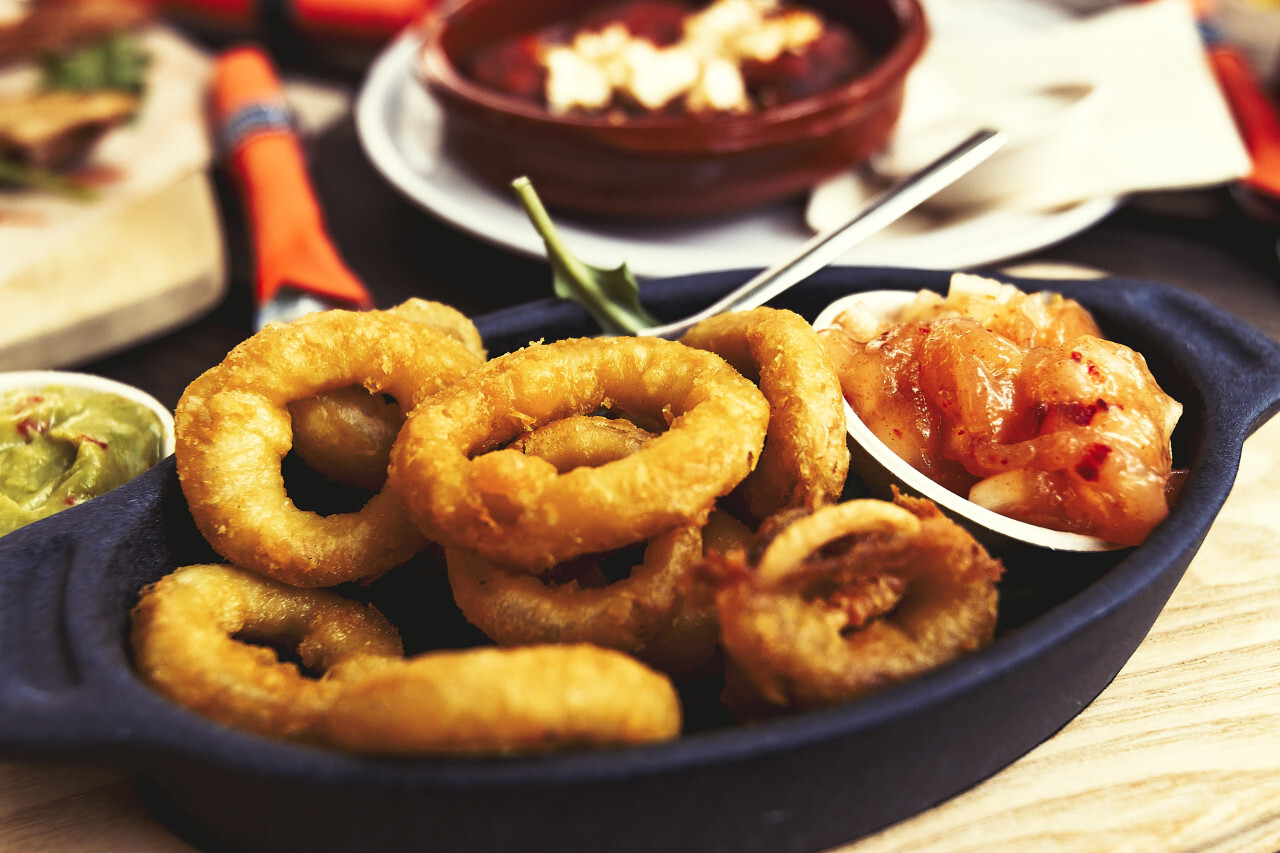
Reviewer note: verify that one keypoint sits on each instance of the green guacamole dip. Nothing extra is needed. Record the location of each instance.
(61, 446)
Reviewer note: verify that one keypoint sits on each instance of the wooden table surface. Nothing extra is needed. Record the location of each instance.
(1180, 753)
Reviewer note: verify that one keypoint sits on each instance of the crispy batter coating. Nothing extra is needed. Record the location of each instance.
(204, 637)
(233, 429)
(580, 440)
(649, 612)
(486, 701)
(518, 509)
(806, 454)
(590, 548)
(849, 599)
(346, 434)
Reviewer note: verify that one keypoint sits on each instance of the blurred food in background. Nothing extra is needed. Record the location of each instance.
(656, 110)
(70, 70)
(645, 57)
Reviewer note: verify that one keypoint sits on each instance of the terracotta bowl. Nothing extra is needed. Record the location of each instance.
(664, 166)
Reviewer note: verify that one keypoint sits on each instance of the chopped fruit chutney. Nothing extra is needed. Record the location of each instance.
(1017, 402)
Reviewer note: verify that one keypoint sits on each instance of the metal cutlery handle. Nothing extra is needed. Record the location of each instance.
(825, 247)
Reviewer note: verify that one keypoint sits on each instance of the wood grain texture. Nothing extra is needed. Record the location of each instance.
(46, 808)
(1180, 754)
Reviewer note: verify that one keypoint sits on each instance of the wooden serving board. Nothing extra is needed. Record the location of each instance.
(1180, 753)
(80, 279)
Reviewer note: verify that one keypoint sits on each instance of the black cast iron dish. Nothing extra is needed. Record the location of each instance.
(800, 784)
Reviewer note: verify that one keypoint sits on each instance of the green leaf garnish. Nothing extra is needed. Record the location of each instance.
(612, 297)
(118, 62)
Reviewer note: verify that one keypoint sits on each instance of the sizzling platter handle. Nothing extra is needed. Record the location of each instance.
(1234, 365)
(60, 658)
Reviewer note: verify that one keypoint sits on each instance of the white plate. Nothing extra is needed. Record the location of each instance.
(399, 125)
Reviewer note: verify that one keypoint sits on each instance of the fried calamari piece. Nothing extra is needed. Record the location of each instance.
(806, 455)
(489, 701)
(644, 613)
(346, 434)
(233, 429)
(518, 509)
(847, 599)
(211, 638)
(648, 611)
(205, 636)
(583, 440)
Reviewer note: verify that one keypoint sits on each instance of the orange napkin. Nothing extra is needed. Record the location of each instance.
(263, 152)
(1255, 115)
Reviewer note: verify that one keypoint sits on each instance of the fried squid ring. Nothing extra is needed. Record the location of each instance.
(346, 434)
(486, 701)
(648, 613)
(652, 614)
(583, 440)
(445, 319)
(848, 599)
(806, 454)
(198, 635)
(205, 637)
(233, 429)
(518, 509)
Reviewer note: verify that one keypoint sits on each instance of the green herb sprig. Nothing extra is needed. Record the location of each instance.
(118, 63)
(612, 297)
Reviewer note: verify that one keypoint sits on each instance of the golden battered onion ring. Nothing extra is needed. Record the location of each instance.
(583, 440)
(445, 319)
(346, 434)
(233, 429)
(191, 637)
(806, 454)
(852, 598)
(493, 701)
(518, 509)
(647, 614)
